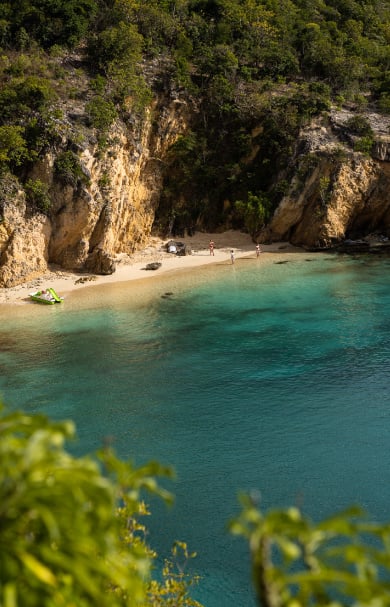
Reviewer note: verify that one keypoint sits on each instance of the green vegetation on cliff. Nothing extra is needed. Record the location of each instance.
(254, 71)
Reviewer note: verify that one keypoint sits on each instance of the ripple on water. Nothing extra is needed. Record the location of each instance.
(262, 376)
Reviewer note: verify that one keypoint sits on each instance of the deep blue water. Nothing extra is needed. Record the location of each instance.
(268, 376)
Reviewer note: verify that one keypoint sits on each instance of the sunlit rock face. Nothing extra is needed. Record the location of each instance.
(336, 192)
(109, 212)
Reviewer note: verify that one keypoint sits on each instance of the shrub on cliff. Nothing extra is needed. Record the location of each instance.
(67, 167)
(359, 125)
(22, 97)
(37, 194)
(101, 113)
(254, 211)
(13, 147)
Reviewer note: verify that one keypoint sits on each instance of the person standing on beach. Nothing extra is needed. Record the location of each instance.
(258, 250)
(232, 255)
(211, 247)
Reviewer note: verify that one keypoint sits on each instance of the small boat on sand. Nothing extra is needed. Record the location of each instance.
(46, 296)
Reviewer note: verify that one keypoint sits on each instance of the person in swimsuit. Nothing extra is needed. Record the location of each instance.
(258, 250)
(46, 295)
(232, 255)
(211, 247)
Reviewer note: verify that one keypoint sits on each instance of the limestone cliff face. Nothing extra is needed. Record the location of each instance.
(110, 212)
(335, 193)
(23, 241)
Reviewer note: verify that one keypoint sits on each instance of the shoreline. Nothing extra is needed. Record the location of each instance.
(130, 268)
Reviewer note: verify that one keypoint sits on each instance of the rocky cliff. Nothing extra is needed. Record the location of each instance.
(92, 220)
(335, 192)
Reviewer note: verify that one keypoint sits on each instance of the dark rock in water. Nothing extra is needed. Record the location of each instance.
(353, 246)
(280, 262)
(376, 245)
(155, 265)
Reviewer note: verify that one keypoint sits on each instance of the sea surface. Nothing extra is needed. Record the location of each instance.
(260, 376)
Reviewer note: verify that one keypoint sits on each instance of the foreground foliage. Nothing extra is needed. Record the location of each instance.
(71, 534)
(70, 530)
(343, 560)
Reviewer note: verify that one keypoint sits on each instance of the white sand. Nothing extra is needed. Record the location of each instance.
(133, 267)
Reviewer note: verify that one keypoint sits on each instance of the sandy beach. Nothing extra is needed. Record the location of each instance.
(134, 267)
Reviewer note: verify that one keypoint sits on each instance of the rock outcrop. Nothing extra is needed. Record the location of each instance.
(23, 240)
(107, 213)
(335, 192)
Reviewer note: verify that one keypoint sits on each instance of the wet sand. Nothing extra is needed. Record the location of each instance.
(133, 268)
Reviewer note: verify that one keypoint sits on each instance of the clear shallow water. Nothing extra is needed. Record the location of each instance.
(258, 376)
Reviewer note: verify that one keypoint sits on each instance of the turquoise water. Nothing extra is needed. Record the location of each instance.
(268, 376)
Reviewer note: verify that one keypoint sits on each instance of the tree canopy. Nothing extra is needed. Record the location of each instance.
(241, 63)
